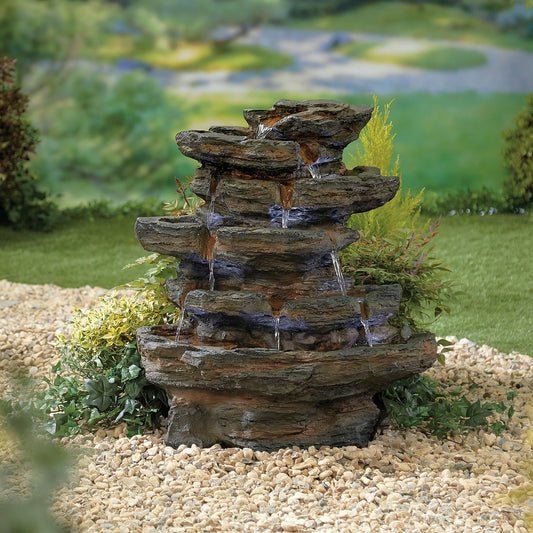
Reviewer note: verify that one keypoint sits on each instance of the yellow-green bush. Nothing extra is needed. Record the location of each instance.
(376, 149)
(100, 333)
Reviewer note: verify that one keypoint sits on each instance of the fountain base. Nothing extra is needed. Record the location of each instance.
(267, 399)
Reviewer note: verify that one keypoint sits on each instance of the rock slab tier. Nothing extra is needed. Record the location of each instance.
(275, 347)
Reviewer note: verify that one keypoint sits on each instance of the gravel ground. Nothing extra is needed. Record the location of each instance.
(404, 481)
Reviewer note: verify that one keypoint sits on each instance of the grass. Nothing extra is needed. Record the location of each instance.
(433, 58)
(495, 305)
(234, 57)
(423, 21)
(494, 308)
(81, 253)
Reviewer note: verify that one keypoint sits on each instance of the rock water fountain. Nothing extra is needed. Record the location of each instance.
(274, 346)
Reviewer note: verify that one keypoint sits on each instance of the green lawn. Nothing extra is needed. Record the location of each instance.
(81, 253)
(432, 58)
(490, 259)
(424, 21)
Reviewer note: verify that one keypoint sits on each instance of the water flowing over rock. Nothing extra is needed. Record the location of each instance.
(276, 347)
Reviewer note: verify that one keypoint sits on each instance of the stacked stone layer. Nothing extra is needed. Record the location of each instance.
(260, 287)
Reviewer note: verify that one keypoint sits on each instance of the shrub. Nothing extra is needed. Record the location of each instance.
(417, 402)
(22, 205)
(472, 201)
(376, 149)
(518, 158)
(101, 379)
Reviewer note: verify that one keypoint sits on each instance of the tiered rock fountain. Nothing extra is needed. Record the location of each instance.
(274, 346)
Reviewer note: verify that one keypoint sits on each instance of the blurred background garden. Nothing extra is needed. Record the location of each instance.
(111, 82)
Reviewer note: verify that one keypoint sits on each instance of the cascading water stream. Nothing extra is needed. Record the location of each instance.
(314, 170)
(338, 271)
(286, 192)
(262, 131)
(276, 333)
(180, 324)
(212, 275)
(212, 241)
(285, 218)
(211, 213)
(364, 321)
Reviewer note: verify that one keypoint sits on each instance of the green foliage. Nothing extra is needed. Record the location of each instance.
(117, 393)
(518, 158)
(312, 8)
(417, 402)
(22, 205)
(101, 333)
(154, 279)
(101, 378)
(481, 202)
(32, 468)
(405, 259)
(425, 21)
(109, 137)
(171, 21)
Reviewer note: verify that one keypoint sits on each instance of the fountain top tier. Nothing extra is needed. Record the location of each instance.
(281, 143)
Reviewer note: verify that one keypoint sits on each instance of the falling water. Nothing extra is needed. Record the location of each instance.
(212, 275)
(180, 324)
(338, 271)
(262, 131)
(211, 212)
(276, 332)
(285, 218)
(368, 335)
(364, 321)
(314, 170)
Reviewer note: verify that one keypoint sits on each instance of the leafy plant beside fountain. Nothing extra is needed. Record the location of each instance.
(275, 347)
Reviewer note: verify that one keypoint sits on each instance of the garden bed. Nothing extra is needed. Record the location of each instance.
(404, 479)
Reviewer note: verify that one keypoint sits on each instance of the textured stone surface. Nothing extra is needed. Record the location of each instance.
(333, 122)
(251, 155)
(245, 385)
(177, 236)
(337, 197)
(322, 128)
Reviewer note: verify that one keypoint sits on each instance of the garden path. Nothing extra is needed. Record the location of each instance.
(318, 68)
